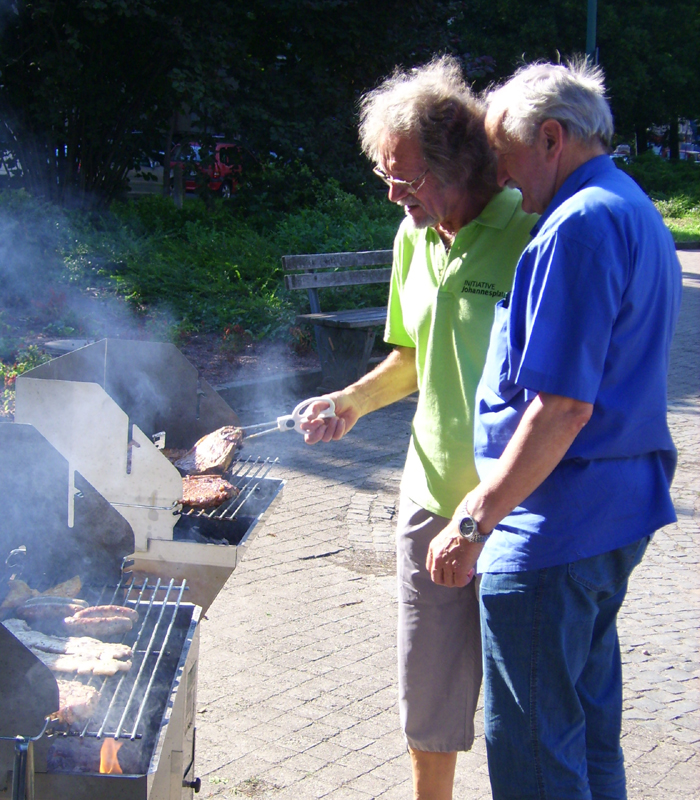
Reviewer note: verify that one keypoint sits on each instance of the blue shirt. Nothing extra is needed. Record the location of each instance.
(591, 316)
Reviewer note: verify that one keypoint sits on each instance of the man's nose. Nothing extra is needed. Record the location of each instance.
(397, 193)
(502, 175)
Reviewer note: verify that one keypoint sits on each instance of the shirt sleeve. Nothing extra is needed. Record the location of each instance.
(395, 331)
(565, 302)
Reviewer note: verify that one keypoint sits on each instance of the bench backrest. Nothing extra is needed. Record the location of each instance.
(323, 270)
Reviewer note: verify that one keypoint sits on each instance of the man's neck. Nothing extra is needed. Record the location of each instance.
(468, 209)
(575, 155)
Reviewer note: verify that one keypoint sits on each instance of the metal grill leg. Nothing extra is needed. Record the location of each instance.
(23, 773)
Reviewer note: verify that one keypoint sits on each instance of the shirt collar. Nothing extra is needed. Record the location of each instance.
(497, 214)
(574, 183)
(499, 210)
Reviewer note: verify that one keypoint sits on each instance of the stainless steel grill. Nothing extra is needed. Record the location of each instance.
(59, 527)
(104, 407)
(85, 433)
(163, 629)
(149, 712)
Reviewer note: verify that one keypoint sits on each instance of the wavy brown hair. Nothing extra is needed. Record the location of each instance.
(434, 104)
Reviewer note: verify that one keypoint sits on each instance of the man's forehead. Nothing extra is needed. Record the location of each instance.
(400, 148)
(495, 133)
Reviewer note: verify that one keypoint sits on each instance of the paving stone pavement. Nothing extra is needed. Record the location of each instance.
(297, 679)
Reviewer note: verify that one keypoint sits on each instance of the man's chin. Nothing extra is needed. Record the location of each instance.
(419, 218)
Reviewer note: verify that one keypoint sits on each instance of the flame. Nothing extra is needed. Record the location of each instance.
(109, 764)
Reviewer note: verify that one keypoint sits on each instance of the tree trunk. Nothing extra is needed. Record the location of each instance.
(673, 141)
(640, 135)
(166, 156)
(178, 185)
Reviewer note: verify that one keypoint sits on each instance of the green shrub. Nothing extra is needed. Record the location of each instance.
(216, 266)
(32, 234)
(24, 360)
(662, 179)
(220, 268)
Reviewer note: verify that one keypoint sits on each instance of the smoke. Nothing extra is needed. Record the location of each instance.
(51, 283)
(270, 385)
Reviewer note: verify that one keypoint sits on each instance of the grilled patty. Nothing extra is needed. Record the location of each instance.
(206, 491)
(213, 453)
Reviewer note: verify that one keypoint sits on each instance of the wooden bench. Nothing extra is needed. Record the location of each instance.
(344, 338)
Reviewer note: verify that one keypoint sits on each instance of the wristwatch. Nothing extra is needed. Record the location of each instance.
(469, 530)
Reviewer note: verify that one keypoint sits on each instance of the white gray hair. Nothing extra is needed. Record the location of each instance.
(574, 95)
(434, 105)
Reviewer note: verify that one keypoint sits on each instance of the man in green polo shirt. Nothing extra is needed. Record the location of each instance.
(454, 258)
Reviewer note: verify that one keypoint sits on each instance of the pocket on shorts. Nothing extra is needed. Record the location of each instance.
(607, 573)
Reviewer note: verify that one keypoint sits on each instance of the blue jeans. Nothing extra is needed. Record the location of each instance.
(553, 678)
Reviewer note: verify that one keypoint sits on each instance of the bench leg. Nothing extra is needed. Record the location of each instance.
(344, 354)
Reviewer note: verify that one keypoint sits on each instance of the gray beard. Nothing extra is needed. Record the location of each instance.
(428, 222)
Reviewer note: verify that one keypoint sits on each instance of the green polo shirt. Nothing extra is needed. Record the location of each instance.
(442, 304)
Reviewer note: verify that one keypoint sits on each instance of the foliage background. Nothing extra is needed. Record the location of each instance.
(88, 85)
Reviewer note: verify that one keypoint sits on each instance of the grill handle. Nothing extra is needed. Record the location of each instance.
(196, 784)
(23, 767)
(23, 772)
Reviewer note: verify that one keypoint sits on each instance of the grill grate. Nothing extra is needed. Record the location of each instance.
(247, 476)
(128, 700)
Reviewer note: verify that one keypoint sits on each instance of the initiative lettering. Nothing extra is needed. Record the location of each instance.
(481, 287)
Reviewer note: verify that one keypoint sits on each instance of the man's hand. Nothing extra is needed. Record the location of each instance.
(451, 558)
(326, 429)
(391, 380)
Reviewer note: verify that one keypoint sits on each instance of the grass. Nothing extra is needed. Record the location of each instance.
(682, 217)
(686, 229)
(675, 189)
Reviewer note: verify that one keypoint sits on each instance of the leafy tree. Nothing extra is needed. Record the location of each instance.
(86, 83)
(651, 54)
(650, 51)
(308, 61)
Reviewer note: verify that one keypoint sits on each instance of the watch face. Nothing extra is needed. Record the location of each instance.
(467, 526)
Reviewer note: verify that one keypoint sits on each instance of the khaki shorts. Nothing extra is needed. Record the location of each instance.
(439, 643)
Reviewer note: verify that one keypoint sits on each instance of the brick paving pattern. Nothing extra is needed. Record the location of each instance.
(297, 680)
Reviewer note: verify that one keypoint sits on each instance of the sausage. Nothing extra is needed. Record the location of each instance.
(52, 600)
(98, 626)
(47, 612)
(107, 611)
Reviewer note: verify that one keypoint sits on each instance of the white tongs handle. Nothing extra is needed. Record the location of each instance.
(291, 421)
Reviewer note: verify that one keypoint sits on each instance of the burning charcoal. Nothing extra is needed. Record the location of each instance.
(74, 754)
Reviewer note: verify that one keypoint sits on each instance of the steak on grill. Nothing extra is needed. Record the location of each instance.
(206, 491)
(213, 453)
(82, 665)
(66, 645)
(77, 702)
(81, 655)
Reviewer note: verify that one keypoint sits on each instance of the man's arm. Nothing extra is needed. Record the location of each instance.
(545, 433)
(391, 380)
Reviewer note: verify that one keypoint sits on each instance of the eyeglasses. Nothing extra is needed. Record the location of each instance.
(407, 186)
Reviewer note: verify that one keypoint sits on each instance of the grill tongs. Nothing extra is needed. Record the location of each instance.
(288, 422)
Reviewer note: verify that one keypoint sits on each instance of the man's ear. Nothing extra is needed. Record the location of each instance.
(552, 136)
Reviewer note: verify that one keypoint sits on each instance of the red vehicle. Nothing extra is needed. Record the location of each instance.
(219, 166)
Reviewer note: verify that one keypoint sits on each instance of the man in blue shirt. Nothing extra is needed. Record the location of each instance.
(571, 441)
